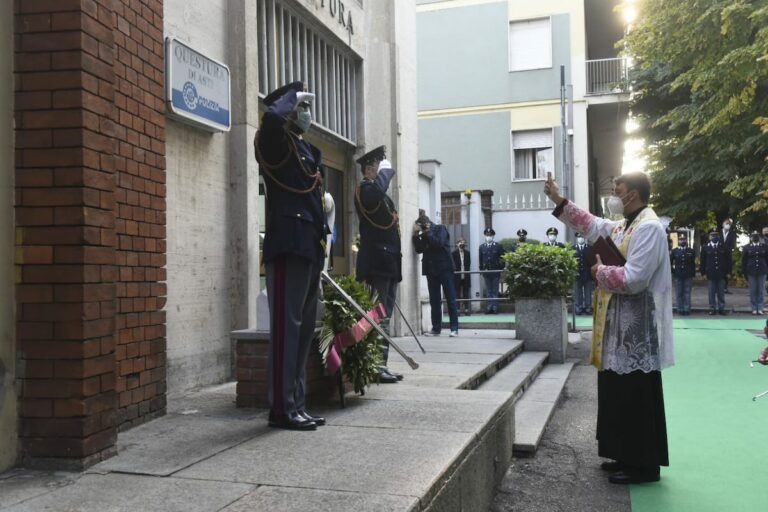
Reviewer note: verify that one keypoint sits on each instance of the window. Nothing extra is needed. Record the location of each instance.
(530, 44)
(533, 154)
(290, 49)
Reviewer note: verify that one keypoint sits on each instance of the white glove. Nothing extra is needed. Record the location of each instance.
(385, 164)
(303, 96)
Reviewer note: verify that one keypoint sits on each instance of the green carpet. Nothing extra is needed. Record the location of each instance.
(716, 323)
(718, 437)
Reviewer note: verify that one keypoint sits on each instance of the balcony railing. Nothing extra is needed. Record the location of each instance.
(607, 76)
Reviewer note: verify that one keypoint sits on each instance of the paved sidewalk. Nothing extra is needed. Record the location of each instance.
(405, 447)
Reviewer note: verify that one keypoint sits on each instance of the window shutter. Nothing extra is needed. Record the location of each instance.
(530, 44)
(529, 139)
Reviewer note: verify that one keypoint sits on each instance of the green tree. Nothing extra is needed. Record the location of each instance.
(700, 95)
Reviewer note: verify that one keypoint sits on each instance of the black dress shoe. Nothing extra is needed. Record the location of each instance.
(711, 313)
(721, 312)
(319, 420)
(612, 466)
(634, 476)
(398, 376)
(291, 421)
(385, 378)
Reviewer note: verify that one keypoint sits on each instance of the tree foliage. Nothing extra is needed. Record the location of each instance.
(700, 96)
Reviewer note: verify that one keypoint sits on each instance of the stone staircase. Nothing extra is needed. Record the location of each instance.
(535, 386)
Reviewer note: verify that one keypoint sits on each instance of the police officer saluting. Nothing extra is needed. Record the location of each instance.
(584, 283)
(490, 259)
(754, 265)
(683, 263)
(714, 266)
(379, 258)
(294, 248)
(552, 239)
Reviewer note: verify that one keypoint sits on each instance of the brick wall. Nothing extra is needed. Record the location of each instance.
(252, 349)
(140, 225)
(90, 203)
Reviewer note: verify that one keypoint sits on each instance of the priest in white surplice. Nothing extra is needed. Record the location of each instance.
(632, 329)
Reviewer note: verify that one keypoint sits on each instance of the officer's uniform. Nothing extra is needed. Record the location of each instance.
(683, 264)
(490, 259)
(714, 266)
(729, 240)
(293, 253)
(584, 284)
(548, 243)
(379, 257)
(754, 265)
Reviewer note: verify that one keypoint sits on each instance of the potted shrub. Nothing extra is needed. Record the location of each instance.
(539, 278)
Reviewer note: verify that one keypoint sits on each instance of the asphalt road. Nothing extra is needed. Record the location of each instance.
(565, 475)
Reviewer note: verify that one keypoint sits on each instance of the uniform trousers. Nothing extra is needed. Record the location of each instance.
(582, 294)
(683, 289)
(386, 289)
(492, 289)
(756, 291)
(716, 294)
(292, 289)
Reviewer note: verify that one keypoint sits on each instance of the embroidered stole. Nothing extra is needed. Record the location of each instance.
(602, 298)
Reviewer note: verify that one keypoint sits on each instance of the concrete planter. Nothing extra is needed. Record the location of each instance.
(543, 325)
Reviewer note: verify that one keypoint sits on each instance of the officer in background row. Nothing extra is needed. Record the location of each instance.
(754, 265)
(522, 237)
(683, 262)
(490, 259)
(714, 266)
(728, 239)
(294, 248)
(462, 262)
(552, 239)
(379, 260)
(584, 283)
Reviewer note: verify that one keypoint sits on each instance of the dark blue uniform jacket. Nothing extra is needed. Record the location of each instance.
(490, 256)
(754, 259)
(380, 254)
(683, 260)
(296, 221)
(714, 263)
(585, 270)
(435, 246)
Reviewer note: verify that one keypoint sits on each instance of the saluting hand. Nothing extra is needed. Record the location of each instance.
(594, 267)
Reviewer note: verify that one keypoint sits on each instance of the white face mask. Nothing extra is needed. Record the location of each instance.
(616, 204)
(580, 240)
(552, 238)
(726, 226)
(488, 239)
(304, 120)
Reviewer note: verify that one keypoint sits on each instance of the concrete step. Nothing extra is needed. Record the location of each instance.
(518, 375)
(534, 409)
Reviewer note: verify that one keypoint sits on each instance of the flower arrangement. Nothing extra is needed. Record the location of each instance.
(343, 331)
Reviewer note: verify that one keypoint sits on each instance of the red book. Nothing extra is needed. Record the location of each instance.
(609, 253)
